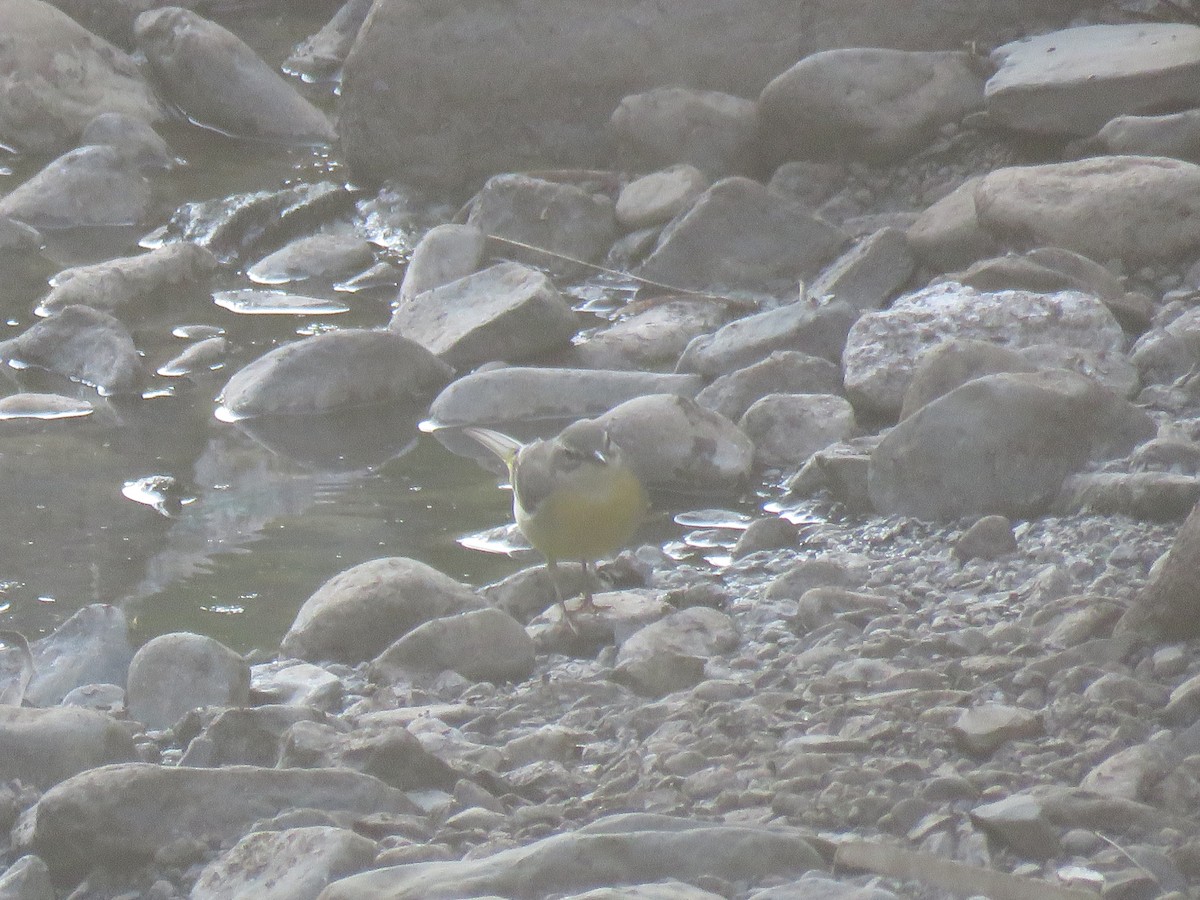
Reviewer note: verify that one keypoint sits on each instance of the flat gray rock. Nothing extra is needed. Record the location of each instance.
(801, 326)
(1073, 81)
(619, 850)
(658, 197)
(445, 253)
(524, 215)
(738, 236)
(789, 428)
(505, 312)
(333, 371)
(218, 81)
(357, 613)
(649, 337)
(870, 273)
(669, 655)
(783, 371)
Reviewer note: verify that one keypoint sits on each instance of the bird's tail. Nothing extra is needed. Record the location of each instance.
(500, 444)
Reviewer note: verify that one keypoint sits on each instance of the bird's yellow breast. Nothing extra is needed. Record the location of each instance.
(591, 514)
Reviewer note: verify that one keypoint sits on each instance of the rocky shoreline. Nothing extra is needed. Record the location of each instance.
(944, 297)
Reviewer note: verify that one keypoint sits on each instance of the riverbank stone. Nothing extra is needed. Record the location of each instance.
(882, 347)
(218, 81)
(59, 76)
(333, 371)
(738, 236)
(83, 344)
(88, 187)
(175, 673)
(481, 645)
(42, 747)
(444, 254)
(505, 312)
(1001, 444)
(358, 613)
(1075, 80)
(867, 102)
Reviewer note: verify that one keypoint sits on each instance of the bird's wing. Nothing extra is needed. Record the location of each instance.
(500, 444)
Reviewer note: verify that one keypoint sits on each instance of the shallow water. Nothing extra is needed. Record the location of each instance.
(225, 529)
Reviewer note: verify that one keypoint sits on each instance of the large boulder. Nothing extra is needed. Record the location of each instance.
(1073, 81)
(1001, 444)
(454, 93)
(883, 347)
(58, 76)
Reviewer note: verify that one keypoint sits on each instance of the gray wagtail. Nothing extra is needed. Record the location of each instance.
(574, 497)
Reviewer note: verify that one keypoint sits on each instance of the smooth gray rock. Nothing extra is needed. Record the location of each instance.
(324, 256)
(620, 850)
(945, 366)
(882, 347)
(482, 645)
(1168, 606)
(91, 647)
(669, 655)
(982, 729)
(444, 254)
(676, 445)
(529, 394)
(203, 356)
(385, 751)
(294, 683)
(784, 371)
(842, 469)
(1001, 444)
(126, 813)
(1168, 352)
(133, 137)
(870, 273)
(1073, 81)
(1140, 209)
(357, 613)
(82, 344)
(45, 107)
(989, 537)
(867, 102)
(789, 428)
(320, 56)
(649, 337)
(218, 81)
(175, 673)
(739, 236)
(250, 736)
(657, 198)
(1174, 134)
(1021, 823)
(523, 215)
(505, 312)
(89, 186)
(291, 864)
(1147, 496)
(947, 235)
(27, 879)
(114, 283)
(333, 371)
(801, 326)
(714, 132)
(42, 747)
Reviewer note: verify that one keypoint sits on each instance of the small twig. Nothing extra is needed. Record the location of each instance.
(740, 302)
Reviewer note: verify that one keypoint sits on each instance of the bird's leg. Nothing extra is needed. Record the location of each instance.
(552, 570)
(588, 604)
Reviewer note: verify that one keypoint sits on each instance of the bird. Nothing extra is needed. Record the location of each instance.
(574, 496)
